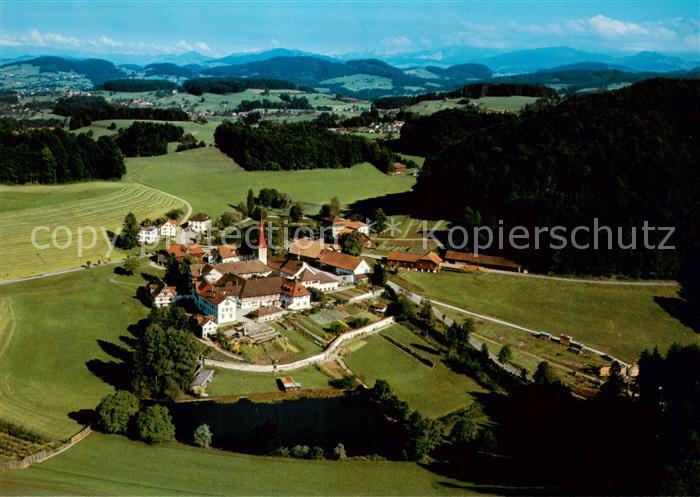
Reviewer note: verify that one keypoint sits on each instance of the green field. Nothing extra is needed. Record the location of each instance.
(200, 131)
(514, 103)
(620, 319)
(51, 329)
(210, 181)
(103, 464)
(101, 205)
(433, 391)
(229, 382)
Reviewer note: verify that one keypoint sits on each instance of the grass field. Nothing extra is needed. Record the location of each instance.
(103, 464)
(96, 204)
(200, 131)
(511, 104)
(619, 319)
(433, 391)
(210, 181)
(229, 382)
(51, 328)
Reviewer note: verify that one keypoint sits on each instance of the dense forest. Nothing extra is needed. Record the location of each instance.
(144, 139)
(137, 85)
(288, 102)
(221, 86)
(276, 146)
(623, 157)
(476, 90)
(84, 109)
(52, 155)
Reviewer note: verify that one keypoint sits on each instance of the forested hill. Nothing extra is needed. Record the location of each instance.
(624, 157)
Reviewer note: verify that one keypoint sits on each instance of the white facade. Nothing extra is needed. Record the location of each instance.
(296, 303)
(225, 312)
(200, 226)
(148, 235)
(209, 328)
(168, 229)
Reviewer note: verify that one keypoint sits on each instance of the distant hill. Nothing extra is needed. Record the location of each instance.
(652, 61)
(587, 66)
(462, 71)
(168, 69)
(523, 61)
(244, 58)
(96, 70)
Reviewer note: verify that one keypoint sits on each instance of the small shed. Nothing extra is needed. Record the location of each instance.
(201, 381)
(288, 384)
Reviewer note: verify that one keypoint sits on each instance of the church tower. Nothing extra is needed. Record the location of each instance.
(262, 244)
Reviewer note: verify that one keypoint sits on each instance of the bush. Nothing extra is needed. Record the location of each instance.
(300, 451)
(317, 453)
(155, 425)
(116, 410)
(339, 452)
(202, 436)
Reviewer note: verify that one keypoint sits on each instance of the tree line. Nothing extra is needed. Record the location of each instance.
(137, 85)
(623, 157)
(221, 86)
(145, 139)
(52, 155)
(84, 109)
(284, 146)
(476, 90)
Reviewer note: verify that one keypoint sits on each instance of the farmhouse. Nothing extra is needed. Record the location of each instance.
(148, 235)
(429, 261)
(168, 229)
(348, 267)
(162, 294)
(487, 261)
(310, 250)
(180, 251)
(226, 253)
(295, 296)
(206, 325)
(200, 223)
(265, 314)
(301, 271)
(338, 225)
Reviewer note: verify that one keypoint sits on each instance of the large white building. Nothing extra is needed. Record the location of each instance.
(148, 235)
(168, 229)
(200, 223)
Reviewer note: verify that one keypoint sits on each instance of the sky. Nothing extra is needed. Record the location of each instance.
(217, 28)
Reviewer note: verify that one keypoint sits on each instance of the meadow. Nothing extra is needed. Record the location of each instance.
(58, 335)
(434, 392)
(101, 205)
(213, 183)
(622, 320)
(103, 464)
(514, 103)
(203, 131)
(229, 382)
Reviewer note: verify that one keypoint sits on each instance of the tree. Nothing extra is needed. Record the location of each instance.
(465, 430)
(155, 425)
(164, 361)
(335, 207)
(505, 354)
(317, 453)
(202, 436)
(457, 336)
(379, 274)
(116, 410)
(242, 208)
(296, 213)
(131, 264)
(130, 231)
(174, 214)
(379, 220)
(615, 386)
(352, 243)
(426, 314)
(250, 201)
(339, 452)
(401, 308)
(544, 375)
(325, 212)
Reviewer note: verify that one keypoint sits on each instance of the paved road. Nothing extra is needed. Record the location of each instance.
(418, 300)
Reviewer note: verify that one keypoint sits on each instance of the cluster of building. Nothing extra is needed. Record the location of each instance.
(228, 288)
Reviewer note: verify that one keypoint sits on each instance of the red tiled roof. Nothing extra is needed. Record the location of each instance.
(294, 289)
(199, 217)
(414, 258)
(340, 260)
(312, 249)
(180, 250)
(226, 251)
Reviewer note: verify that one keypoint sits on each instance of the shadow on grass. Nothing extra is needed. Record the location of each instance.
(113, 373)
(684, 308)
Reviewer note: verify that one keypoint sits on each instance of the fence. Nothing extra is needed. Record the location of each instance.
(46, 454)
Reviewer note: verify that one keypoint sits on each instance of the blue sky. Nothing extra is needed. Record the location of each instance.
(223, 27)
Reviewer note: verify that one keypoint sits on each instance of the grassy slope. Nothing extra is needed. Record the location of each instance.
(511, 104)
(58, 322)
(210, 181)
(104, 464)
(96, 204)
(229, 382)
(434, 392)
(622, 320)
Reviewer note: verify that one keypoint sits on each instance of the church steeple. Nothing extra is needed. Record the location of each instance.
(262, 244)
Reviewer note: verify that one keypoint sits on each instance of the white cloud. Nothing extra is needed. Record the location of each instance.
(597, 31)
(397, 41)
(100, 44)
